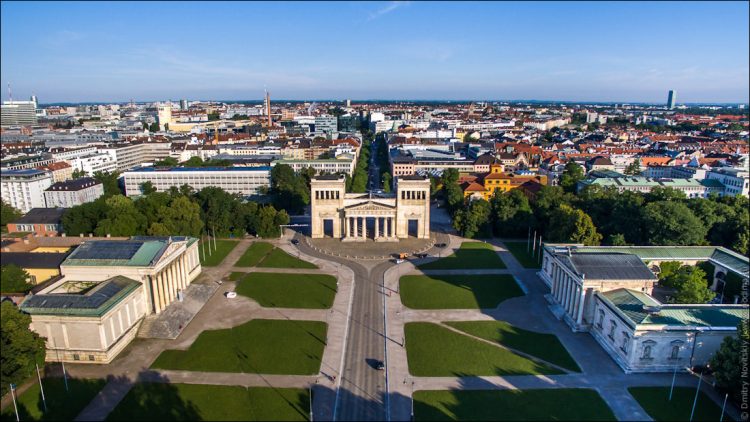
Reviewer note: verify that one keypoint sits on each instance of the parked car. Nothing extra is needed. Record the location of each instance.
(400, 261)
(441, 245)
(422, 255)
(379, 365)
(230, 295)
(295, 242)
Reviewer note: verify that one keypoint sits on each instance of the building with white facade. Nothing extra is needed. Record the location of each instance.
(73, 192)
(242, 180)
(736, 181)
(328, 165)
(130, 155)
(92, 163)
(16, 113)
(24, 189)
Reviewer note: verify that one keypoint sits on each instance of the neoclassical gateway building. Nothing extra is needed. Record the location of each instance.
(361, 216)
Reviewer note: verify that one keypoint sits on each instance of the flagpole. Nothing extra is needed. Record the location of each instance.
(41, 387)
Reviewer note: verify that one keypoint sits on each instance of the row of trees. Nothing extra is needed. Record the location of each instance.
(177, 212)
(361, 170)
(663, 216)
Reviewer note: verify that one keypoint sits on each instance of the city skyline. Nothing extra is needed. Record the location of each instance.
(576, 52)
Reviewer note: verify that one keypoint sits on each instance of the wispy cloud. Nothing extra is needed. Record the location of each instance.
(388, 8)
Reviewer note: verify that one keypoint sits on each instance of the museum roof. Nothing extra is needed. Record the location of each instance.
(607, 266)
(641, 309)
(138, 251)
(94, 302)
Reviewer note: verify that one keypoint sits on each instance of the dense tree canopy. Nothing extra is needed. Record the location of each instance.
(22, 348)
(14, 279)
(572, 174)
(729, 361)
(289, 189)
(8, 214)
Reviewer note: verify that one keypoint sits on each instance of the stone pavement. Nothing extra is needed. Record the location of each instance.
(169, 324)
(220, 312)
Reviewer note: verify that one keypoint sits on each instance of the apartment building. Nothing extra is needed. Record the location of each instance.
(92, 163)
(133, 154)
(242, 180)
(328, 165)
(24, 189)
(73, 192)
(735, 181)
(26, 162)
(61, 171)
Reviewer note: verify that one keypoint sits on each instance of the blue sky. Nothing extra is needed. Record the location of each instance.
(577, 51)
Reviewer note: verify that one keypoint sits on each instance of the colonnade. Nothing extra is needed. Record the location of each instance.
(568, 292)
(356, 227)
(171, 279)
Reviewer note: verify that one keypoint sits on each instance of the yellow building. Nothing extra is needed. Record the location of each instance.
(40, 266)
(485, 186)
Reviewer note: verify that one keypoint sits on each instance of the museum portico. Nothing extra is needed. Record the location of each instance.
(360, 216)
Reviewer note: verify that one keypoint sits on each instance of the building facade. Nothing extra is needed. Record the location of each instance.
(242, 180)
(24, 189)
(358, 217)
(73, 192)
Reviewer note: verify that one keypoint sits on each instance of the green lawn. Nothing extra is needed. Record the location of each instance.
(543, 346)
(261, 346)
(471, 255)
(655, 401)
(214, 258)
(173, 402)
(519, 251)
(61, 405)
(435, 351)
(457, 291)
(274, 290)
(563, 404)
(264, 254)
(235, 276)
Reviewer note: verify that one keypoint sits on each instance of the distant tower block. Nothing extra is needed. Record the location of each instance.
(671, 99)
(165, 115)
(348, 103)
(268, 108)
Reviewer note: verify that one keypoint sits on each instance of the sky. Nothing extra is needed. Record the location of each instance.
(563, 51)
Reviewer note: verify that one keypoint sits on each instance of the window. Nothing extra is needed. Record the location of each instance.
(646, 352)
(675, 352)
(600, 324)
(91, 358)
(76, 357)
(625, 340)
(612, 328)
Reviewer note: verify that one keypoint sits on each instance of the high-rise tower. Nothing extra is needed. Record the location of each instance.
(267, 108)
(671, 99)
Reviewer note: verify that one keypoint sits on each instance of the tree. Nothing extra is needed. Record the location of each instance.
(659, 193)
(474, 219)
(109, 181)
(181, 217)
(672, 223)
(218, 211)
(692, 287)
(147, 188)
(634, 168)
(194, 162)
(154, 127)
(728, 362)
(82, 219)
(22, 348)
(167, 162)
(14, 279)
(572, 174)
(122, 218)
(387, 178)
(8, 214)
(568, 224)
(289, 189)
(617, 239)
(667, 270)
(77, 174)
(511, 212)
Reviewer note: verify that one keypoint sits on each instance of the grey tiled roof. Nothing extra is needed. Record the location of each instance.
(608, 266)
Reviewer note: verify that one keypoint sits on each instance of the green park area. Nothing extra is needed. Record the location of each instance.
(211, 255)
(436, 351)
(264, 254)
(522, 254)
(191, 402)
(62, 404)
(260, 346)
(275, 290)
(561, 404)
(540, 345)
(470, 256)
(457, 291)
(655, 401)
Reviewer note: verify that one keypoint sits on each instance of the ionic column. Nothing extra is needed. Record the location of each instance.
(346, 227)
(155, 295)
(162, 292)
(579, 318)
(377, 227)
(364, 227)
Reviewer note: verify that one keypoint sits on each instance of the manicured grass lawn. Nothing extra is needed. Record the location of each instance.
(171, 402)
(655, 401)
(569, 404)
(61, 405)
(457, 291)
(274, 290)
(234, 276)
(518, 249)
(264, 254)
(254, 254)
(471, 255)
(435, 351)
(261, 346)
(543, 346)
(214, 257)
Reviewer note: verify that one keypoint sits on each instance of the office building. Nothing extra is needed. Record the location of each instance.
(326, 124)
(671, 99)
(18, 113)
(73, 192)
(241, 180)
(24, 189)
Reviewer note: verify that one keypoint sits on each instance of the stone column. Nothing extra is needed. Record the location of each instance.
(364, 227)
(162, 292)
(576, 299)
(155, 294)
(348, 227)
(377, 227)
(579, 317)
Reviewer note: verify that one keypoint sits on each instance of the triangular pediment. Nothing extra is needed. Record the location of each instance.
(370, 206)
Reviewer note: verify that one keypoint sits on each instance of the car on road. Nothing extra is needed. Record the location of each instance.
(230, 295)
(400, 261)
(441, 245)
(422, 255)
(295, 242)
(379, 365)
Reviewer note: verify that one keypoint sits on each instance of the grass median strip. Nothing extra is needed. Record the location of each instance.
(470, 256)
(435, 351)
(275, 290)
(560, 404)
(457, 291)
(540, 345)
(263, 346)
(163, 401)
